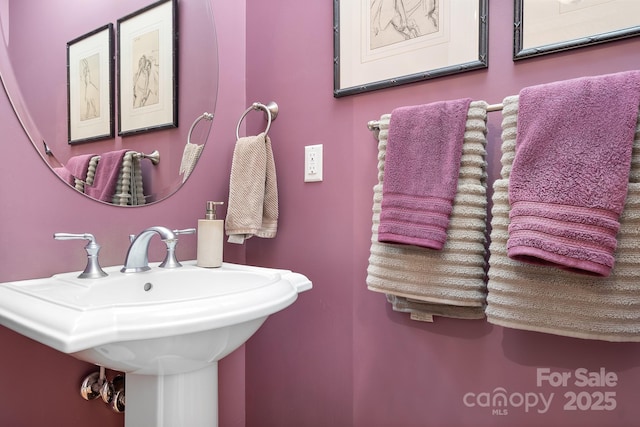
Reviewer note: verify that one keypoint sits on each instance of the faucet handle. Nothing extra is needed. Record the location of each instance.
(170, 261)
(185, 231)
(93, 269)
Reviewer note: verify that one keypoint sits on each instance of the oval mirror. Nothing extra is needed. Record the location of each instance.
(116, 96)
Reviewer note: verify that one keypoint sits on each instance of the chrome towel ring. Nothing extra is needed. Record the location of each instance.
(205, 116)
(270, 111)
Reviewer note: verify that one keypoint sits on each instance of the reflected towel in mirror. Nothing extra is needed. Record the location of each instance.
(106, 177)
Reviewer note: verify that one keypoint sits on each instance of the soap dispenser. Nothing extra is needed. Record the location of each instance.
(210, 238)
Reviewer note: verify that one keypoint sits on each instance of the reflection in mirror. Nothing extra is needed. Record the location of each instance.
(149, 165)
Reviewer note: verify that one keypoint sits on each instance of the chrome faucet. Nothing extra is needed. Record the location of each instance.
(138, 254)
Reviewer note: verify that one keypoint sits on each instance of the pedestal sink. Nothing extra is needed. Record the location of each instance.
(165, 328)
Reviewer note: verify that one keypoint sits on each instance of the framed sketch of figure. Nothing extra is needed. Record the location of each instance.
(90, 86)
(148, 69)
(384, 43)
(540, 27)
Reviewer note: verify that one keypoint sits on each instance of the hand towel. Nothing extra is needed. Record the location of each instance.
(450, 282)
(106, 176)
(253, 191)
(425, 311)
(129, 189)
(570, 172)
(79, 165)
(421, 172)
(137, 186)
(66, 175)
(190, 156)
(546, 299)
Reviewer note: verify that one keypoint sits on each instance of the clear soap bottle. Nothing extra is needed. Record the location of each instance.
(210, 238)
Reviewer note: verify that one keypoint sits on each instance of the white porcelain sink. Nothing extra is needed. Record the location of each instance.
(166, 328)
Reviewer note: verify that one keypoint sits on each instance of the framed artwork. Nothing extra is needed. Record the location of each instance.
(385, 43)
(542, 27)
(148, 69)
(89, 86)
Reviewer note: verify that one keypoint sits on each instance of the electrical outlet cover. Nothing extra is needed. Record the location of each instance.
(313, 163)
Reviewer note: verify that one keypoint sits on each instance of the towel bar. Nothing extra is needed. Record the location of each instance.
(270, 111)
(154, 156)
(374, 125)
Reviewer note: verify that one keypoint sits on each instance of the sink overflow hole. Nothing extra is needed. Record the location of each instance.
(148, 286)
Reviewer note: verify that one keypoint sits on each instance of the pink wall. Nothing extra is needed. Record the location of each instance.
(39, 385)
(340, 356)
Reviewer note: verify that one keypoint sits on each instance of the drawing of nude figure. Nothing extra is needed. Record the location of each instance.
(393, 21)
(90, 94)
(146, 76)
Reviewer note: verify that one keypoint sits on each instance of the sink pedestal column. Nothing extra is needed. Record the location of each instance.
(189, 399)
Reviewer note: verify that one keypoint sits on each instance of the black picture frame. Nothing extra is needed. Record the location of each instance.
(148, 69)
(521, 50)
(90, 71)
(400, 73)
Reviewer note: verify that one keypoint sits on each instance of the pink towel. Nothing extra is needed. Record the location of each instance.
(65, 175)
(422, 164)
(106, 178)
(570, 172)
(78, 165)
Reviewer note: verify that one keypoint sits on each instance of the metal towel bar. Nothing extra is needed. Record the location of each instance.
(154, 156)
(374, 125)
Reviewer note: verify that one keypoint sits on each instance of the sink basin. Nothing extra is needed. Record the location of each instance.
(162, 321)
(165, 328)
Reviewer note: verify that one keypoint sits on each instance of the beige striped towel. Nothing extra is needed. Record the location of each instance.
(450, 282)
(545, 299)
(129, 187)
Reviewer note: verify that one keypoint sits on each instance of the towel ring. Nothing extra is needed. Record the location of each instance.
(206, 116)
(270, 111)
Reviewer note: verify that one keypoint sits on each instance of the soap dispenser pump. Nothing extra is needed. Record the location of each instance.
(210, 238)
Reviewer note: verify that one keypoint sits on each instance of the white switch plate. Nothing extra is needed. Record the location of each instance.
(313, 163)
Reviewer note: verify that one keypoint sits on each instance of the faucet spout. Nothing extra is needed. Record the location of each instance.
(138, 254)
